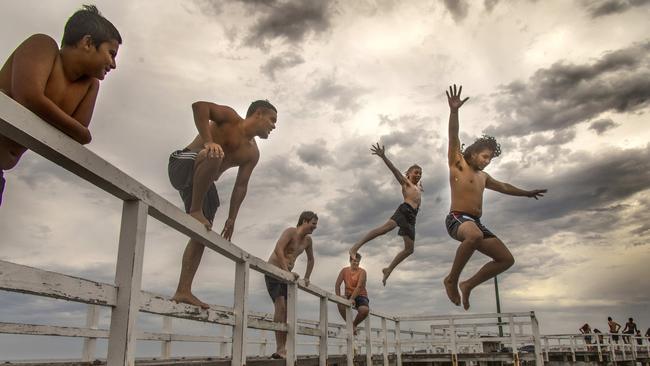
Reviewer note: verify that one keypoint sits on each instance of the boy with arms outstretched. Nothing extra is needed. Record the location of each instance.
(404, 216)
(60, 85)
(292, 242)
(468, 181)
(225, 141)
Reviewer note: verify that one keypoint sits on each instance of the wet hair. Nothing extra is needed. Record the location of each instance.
(306, 216)
(483, 143)
(259, 104)
(89, 21)
(609, 318)
(357, 257)
(414, 166)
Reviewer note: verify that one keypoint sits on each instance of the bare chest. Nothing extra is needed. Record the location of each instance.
(237, 150)
(467, 179)
(65, 94)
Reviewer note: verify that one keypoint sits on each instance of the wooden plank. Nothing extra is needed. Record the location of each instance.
(90, 344)
(163, 305)
(18, 278)
(460, 316)
(128, 279)
(51, 330)
(368, 341)
(166, 345)
(349, 335)
(385, 339)
(292, 322)
(322, 347)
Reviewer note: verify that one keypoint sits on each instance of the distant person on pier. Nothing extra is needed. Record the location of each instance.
(630, 328)
(586, 329)
(600, 335)
(354, 280)
(468, 182)
(60, 85)
(292, 242)
(614, 327)
(225, 141)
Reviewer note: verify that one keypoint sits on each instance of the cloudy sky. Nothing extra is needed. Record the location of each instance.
(563, 85)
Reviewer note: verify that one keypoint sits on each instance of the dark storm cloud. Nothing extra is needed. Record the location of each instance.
(291, 21)
(599, 180)
(567, 94)
(602, 125)
(279, 175)
(560, 137)
(598, 8)
(281, 62)
(315, 154)
(457, 8)
(342, 96)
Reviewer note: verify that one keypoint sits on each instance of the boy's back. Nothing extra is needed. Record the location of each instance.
(60, 85)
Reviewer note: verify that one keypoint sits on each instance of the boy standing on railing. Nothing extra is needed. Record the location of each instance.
(468, 182)
(225, 141)
(404, 216)
(354, 279)
(60, 85)
(292, 242)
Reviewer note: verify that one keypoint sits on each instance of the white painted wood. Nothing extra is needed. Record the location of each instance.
(263, 343)
(292, 322)
(51, 330)
(398, 343)
(539, 357)
(222, 345)
(128, 279)
(385, 340)
(513, 340)
(29, 280)
(166, 346)
(90, 344)
(368, 330)
(242, 274)
(322, 349)
(350, 335)
(460, 316)
(452, 338)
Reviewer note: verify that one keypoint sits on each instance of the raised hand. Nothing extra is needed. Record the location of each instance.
(453, 98)
(378, 150)
(536, 193)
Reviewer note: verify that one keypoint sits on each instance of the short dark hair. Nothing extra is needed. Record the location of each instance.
(609, 318)
(482, 143)
(89, 21)
(259, 104)
(414, 166)
(306, 216)
(357, 256)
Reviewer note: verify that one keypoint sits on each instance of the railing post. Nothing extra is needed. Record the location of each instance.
(452, 335)
(513, 340)
(90, 344)
(398, 343)
(433, 336)
(242, 272)
(539, 358)
(385, 336)
(546, 346)
(368, 341)
(263, 343)
(322, 325)
(350, 335)
(223, 345)
(572, 344)
(166, 346)
(128, 279)
(598, 347)
(292, 323)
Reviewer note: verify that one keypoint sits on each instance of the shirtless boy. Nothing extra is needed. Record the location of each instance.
(404, 216)
(614, 327)
(292, 242)
(225, 140)
(60, 85)
(468, 181)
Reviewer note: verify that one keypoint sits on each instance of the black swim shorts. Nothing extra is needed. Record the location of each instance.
(455, 219)
(361, 301)
(275, 288)
(181, 175)
(2, 184)
(404, 216)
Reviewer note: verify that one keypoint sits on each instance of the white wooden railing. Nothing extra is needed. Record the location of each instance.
(623, 349)
(125, 298)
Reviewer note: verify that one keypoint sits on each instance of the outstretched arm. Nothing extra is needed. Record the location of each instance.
(453, 98)
(509, 189)
(381, 152)
(310, 262)
(237, 197)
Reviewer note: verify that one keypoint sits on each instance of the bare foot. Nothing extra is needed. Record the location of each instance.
(465, 289)
(386, 271)
(452, 291)
(199, 216)
(189, 299)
